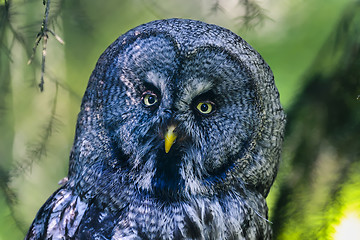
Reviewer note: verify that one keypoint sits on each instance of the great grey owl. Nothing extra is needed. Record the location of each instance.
(178, 137)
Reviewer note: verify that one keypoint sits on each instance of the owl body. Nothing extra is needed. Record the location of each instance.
(178, 137)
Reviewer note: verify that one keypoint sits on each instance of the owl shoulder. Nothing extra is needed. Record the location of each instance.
(60, 216)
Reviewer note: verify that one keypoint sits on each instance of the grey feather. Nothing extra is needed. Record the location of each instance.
(219, 94)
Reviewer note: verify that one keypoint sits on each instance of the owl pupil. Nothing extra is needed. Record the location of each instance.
(204, 107)
(151, 99)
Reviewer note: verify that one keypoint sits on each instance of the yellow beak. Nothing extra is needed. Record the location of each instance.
(170, 138)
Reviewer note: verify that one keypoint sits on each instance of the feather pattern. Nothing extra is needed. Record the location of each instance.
(218, 97)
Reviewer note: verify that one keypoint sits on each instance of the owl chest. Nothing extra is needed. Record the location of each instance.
(200, 219)
(148, 218)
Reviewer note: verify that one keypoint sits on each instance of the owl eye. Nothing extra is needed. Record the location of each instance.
(149, 99)
(205, 107)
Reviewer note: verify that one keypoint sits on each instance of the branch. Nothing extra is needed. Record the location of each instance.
(254, 14)
(43, 35)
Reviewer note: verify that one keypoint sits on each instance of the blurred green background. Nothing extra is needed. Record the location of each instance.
(311, 46)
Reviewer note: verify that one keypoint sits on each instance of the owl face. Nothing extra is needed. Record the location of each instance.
(180, 106)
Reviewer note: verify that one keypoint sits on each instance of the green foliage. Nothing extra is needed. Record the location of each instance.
(8, 225)
(320, 185)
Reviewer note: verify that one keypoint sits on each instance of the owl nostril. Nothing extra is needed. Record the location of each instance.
(166, 119)
(168, 111)
(167, 115)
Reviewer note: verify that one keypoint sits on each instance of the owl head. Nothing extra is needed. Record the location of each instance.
(174, 109)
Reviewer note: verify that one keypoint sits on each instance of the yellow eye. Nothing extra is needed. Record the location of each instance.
(149, 99)
(205, 107)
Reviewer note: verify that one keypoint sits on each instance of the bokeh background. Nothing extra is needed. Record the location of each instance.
(313, 48)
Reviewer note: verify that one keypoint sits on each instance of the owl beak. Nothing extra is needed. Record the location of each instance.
(170, 137)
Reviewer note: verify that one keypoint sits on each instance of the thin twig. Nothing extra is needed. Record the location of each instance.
(43, 35)
(41, 84)
(254, 14)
